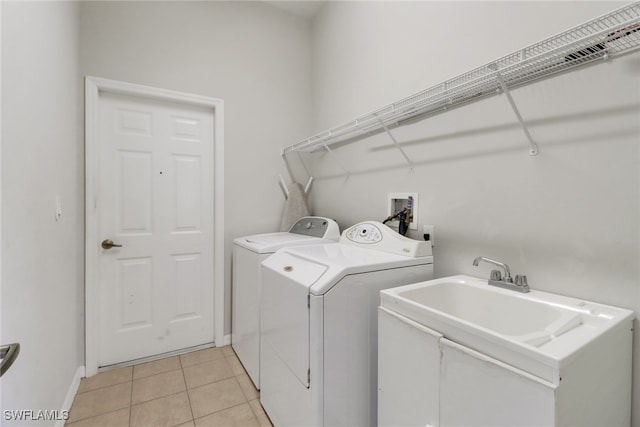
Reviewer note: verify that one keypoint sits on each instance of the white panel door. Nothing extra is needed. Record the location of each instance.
(155, 198)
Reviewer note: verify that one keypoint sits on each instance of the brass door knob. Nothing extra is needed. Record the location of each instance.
(108, 244)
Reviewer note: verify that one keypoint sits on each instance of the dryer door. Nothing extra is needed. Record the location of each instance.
(285, 311)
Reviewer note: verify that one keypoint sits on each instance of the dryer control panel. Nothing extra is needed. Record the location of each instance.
(375, 235)
(316, 226)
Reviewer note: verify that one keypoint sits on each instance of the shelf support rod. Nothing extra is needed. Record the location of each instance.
(285, 190)
(533, 147)
(386, 129)
(335, 158)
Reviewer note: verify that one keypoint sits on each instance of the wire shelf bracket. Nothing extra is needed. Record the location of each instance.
(613, 34)
(336, 159)
(533, 147)
(395, 142)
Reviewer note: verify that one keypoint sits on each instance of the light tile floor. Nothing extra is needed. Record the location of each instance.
(199, 389)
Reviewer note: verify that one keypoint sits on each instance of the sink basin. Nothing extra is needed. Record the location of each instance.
(536, 331)
(522, 319)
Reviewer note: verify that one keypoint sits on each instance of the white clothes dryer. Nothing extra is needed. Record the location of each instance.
(318, 360)
(248, 253)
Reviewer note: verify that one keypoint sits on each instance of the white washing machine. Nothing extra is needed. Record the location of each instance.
(318, 360)
(248, 253)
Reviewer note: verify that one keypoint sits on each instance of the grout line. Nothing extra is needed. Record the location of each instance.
(101, 413)
(204, 361)
(242, 390)
(162, 396)
(226, 409)
(244, 370)
(131, 398)
(91, 417)
(253, 410)
(263, 412)
(158, 398)
(215, 382)
(104, 386)
(186, 386)
(132, 379)
(159, 373)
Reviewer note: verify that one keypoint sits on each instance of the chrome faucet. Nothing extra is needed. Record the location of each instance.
(505, 282)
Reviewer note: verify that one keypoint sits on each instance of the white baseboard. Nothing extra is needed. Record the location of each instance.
(226, 340)
(71, 393)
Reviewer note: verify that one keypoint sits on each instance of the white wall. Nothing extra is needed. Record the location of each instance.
(252, 55)
(568, 218)
(42, 264)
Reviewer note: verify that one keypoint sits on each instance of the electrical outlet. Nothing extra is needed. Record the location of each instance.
(428, 233)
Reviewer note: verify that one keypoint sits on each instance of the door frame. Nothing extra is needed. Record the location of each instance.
(94, 86)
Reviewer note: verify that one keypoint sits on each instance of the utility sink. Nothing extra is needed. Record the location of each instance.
(472, 301)
(535, 331)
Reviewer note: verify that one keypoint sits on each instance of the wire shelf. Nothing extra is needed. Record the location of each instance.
(610, 35)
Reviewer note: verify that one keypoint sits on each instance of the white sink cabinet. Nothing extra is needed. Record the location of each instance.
(427, 378)
(477, 390)
(408, 372)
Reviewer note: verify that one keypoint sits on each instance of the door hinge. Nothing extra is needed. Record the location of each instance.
(308, 301)
(309, 376)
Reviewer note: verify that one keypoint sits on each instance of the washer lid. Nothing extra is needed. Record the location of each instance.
(271, 242)
(327, 264)
(299, 271)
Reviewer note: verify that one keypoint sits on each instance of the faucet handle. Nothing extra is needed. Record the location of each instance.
(496, 275)
(521, 280)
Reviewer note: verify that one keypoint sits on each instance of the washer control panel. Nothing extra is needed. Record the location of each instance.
(365, 232)
(375, 235)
